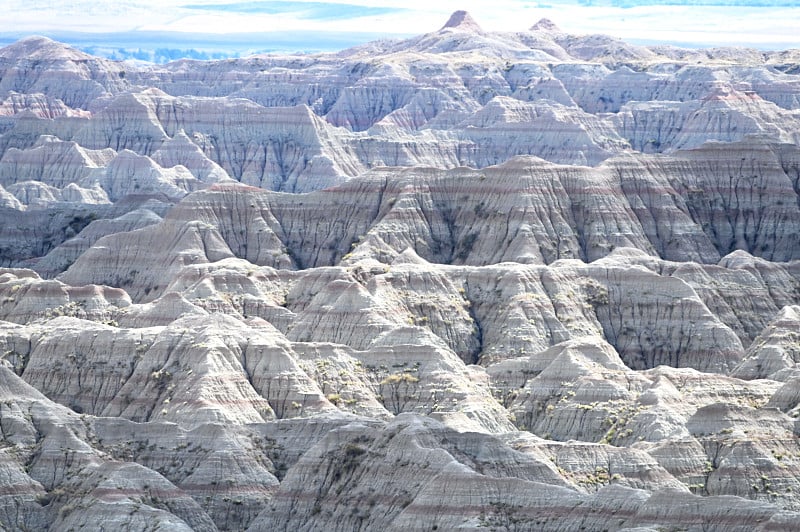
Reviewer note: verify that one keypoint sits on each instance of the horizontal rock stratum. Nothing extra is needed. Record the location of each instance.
(468, 280)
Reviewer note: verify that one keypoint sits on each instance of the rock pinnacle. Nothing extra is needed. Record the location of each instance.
(463, 21)
(547, 25)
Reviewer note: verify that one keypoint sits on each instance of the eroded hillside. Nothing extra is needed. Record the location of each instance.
(528, 281)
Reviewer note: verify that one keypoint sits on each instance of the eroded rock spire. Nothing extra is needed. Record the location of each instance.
(463, 21)
(545, 24)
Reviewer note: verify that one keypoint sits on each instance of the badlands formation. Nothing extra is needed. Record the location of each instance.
(469, 280)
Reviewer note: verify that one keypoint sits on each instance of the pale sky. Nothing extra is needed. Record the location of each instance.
(760, 23)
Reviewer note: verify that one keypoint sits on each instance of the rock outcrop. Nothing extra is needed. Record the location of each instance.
(467, 280)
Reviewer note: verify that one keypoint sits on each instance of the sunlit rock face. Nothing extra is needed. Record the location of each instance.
(468, 280)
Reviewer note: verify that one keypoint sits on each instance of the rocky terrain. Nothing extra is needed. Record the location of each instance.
(470, 280)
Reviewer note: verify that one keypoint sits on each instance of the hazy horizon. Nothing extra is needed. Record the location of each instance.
(220, 28)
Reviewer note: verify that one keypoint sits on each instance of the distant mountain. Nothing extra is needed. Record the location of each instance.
(163, 47)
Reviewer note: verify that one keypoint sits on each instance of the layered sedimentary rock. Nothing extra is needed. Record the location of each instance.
(475, 280)
(41, 65)
(696, 206)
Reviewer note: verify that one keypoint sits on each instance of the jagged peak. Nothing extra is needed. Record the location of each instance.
(463, 21)
(547, 25)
